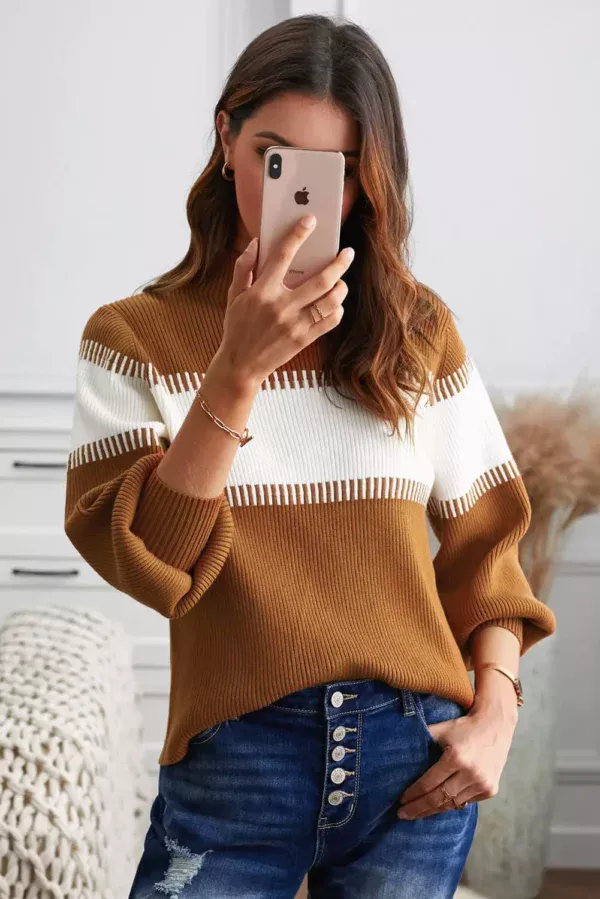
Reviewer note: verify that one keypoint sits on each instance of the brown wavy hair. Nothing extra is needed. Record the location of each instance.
(376, 353)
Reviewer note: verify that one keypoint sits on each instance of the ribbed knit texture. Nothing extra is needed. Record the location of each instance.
(314, 562)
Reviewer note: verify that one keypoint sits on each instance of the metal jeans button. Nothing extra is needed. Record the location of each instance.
(335, 798)
(338, 775)
(339, 733)
(338, 753)
(337, 698)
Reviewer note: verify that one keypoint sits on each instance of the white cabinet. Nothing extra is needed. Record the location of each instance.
(38, 564)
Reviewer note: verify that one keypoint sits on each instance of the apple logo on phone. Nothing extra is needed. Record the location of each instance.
(301, 197)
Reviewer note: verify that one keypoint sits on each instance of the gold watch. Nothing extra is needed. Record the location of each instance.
(515, 680)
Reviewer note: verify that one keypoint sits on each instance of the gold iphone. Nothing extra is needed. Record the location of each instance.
(297, 182)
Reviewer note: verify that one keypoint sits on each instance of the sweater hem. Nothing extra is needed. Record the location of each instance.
(176, 745)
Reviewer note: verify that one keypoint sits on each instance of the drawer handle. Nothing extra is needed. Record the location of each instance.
(18, 464)
(69, 572)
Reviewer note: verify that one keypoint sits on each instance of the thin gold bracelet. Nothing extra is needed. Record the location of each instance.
(516, 681)
(243, 438)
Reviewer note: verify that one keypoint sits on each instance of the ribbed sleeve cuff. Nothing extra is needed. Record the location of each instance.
(174, 526)
(513, 624)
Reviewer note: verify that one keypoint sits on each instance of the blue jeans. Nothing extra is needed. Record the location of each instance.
(307, 784)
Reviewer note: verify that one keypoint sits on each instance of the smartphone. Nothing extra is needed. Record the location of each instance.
(297, 182)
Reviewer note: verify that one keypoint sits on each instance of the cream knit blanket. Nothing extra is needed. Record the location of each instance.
(74, 795)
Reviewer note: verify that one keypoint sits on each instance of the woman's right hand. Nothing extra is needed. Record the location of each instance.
(266, 322)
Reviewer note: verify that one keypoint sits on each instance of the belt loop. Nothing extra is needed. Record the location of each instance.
(408, 702)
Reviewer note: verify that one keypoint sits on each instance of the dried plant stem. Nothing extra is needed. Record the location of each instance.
(541, 546)
(555, 441)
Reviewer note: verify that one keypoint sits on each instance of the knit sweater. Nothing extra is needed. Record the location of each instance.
(314, 563)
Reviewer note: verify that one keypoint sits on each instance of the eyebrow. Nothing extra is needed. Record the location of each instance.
(287, 143)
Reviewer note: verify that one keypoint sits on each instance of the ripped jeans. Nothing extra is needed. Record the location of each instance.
(307, 785)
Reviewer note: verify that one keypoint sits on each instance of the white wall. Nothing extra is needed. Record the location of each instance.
(106, 111)
(499, 101)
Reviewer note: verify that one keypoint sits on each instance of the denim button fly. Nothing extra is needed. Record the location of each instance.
(345, 751)
(338, 775)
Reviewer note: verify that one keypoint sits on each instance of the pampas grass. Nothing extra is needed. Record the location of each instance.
(556, 444)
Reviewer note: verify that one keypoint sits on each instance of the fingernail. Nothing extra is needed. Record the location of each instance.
(402, 814)
(349, 252)
(251, 245)
(307, 221)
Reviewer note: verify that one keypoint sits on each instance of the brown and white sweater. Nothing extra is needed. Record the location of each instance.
(314, 563)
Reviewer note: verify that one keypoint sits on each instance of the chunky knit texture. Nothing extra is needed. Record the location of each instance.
(74, 797)
(314, 562)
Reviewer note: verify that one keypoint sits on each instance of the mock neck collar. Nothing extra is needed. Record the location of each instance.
(216, 286)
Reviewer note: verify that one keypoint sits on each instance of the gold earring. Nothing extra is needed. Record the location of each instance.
(224, 171)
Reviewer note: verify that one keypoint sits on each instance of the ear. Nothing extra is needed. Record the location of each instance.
(222, 126)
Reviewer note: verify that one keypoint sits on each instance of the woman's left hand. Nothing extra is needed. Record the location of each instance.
(475, 749)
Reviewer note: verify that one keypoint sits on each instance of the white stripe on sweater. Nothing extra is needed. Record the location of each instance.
(309, 445)
(113, 413)
(467, 446)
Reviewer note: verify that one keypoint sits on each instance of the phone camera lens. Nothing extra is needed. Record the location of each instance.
(275, 165)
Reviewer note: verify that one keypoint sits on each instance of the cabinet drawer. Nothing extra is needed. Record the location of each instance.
(155, 711)
(33, 464)
(151, 681)
(46, 571)
(32, 488)
(21, 591)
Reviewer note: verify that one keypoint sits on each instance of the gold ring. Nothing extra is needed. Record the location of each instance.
(452, 799)
(314, 306)
(449, 798)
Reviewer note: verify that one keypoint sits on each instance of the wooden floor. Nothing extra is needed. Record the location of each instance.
(571, 884)
(558, 884)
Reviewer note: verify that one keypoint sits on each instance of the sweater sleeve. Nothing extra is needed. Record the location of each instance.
(479, 508)
(161, 547)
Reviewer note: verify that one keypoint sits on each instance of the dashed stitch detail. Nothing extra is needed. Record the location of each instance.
(114, 445)
(107, 358)
(369, 487)
(452, 508)
(444, 388)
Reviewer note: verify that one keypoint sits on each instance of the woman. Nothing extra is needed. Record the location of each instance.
(232, 468)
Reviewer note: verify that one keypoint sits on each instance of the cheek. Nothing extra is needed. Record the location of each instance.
(350, 196)
(248, 191)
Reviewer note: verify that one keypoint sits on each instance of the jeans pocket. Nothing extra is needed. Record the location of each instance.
(204, 736)
(432, 709)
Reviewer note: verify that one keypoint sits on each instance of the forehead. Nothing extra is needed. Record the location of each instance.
(306, 121)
